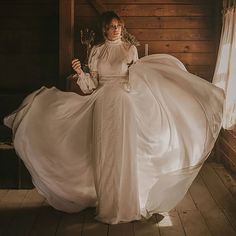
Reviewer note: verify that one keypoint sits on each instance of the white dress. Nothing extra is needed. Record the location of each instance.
(132, 148)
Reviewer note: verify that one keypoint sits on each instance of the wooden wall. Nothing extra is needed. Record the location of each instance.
(226, 149)
(28, 49)
(28, 60)
(187, 29)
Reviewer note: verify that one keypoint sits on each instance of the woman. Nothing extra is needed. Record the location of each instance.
(133, 146)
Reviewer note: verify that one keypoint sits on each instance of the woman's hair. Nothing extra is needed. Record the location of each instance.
(108, 16)
(106, 19)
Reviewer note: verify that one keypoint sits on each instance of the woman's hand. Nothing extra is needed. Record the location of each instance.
(76, 66)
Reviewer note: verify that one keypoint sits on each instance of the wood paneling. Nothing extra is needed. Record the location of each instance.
(151, 10)
(169, 22)
(28, 45)
(22, 22)
(150, 2)
(187, 29)
(227, 148)
(28, 9)
(172, 34)
(178, 46)
(25, 72)
(28, 60)
(152, 22)
(66, 44)
(204, 71)
(13, 173)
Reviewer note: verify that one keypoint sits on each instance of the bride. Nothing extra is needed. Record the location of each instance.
(133, 146)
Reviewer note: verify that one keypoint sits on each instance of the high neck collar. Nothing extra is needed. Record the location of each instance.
(113, 42)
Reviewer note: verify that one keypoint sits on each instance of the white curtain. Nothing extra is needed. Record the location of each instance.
(225, 72)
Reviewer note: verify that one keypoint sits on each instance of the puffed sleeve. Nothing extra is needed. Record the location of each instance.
(133, 53)
(89, 81)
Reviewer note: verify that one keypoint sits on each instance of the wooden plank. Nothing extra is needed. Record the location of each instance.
(33, 41)
(3, 192)
(13, 199)
(8, 206)
(98, 6)
(23, 23)
(173, 217)
(171, 225)
(220, 194)
(28, 10)
(146, 227)
(233, 133)
(208, 77)
(186, 204)
(227, 162)
(229, 179)
(25, 34)
(228, 150)
(9, 163)
(31, 47)
(149, 10)
(30, 2)
(172, 34)
(200, 68)
(218, 22)
(91, 226)
(26, 215)
(187, 2)
(124, 229)
(176, 46)
(205, 72)
(196, 58)
(229, 138)
(66, 39)
(24, 177)
(150, 22)
(9, 103)
(216, 221)
(71, 224)
(194, 224)
(47, 221)
(168, 22)
(36, 59)
(28, 27)
(33, 71)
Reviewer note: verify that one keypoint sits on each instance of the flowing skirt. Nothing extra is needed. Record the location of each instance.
(129, 152)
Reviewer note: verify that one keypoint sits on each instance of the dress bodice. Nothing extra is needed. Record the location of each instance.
(112, 58)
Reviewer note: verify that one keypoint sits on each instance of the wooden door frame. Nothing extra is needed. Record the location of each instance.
(66, 39)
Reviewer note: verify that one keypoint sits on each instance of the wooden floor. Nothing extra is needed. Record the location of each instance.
(209, 208)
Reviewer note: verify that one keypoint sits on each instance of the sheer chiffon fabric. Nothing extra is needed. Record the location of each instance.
(132, 148)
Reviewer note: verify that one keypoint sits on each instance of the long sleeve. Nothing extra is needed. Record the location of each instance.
(133, 53)
(89, 81)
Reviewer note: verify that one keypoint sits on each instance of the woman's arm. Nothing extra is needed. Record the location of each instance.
(87, 81)
(133, 53)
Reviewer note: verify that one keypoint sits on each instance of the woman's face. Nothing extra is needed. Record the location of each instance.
(113, 30)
